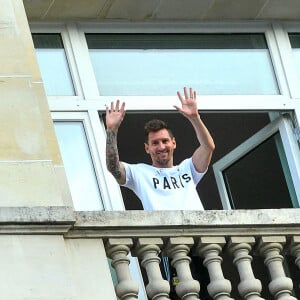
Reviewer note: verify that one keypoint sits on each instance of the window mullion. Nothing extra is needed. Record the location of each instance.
(287, 61)
(83, 62)
(69, 49)
(277, 62)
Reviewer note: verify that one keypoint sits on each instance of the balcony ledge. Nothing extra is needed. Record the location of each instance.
(36, 220)
(166, 223)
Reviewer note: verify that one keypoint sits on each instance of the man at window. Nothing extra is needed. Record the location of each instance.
(162, 186)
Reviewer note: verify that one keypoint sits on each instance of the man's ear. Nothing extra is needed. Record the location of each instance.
(146, 147)
(174, 142)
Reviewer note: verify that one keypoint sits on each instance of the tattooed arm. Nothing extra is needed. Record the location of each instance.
(114, 118)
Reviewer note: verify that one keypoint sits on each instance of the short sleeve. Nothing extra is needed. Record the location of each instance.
(197, 176)
(129, 182)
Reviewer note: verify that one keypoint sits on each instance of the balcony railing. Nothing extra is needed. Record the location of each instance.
(219, 238)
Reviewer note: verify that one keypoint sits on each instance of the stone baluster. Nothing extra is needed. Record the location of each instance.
(280, 286)
(178, 249)
(148, 249)
(249, 287)
(295, 249)
(117, 249)
(209, 248)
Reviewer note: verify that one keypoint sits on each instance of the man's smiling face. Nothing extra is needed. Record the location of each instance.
(161, 147)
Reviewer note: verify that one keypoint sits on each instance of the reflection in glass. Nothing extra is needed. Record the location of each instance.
(261, 178)
(159, 64)
(295, 43)
(78, 165)
(53, 64)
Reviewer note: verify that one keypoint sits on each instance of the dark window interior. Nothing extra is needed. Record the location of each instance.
(295, 40)
(228, 130)
(265, 176)
(176, 41)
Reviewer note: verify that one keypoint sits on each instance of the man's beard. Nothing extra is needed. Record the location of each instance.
(163, 161)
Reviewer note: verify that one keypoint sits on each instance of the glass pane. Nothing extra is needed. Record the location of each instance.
(295, 43)
(259, 179)
(53, 64)
(79, 166)
(159, 64)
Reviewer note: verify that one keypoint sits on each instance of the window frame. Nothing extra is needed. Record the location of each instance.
(110, 201)
(89, 101)
(282, 125)
(58, 29)
(294, 77)
(78, 56)
(135, 46)
(79, 51)
(244, 27)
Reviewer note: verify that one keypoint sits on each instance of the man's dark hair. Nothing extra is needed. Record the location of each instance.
(154, 126)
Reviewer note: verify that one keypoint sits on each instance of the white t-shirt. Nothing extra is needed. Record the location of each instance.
(165, 188)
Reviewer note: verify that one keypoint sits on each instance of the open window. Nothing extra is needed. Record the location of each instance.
(261, 172)
(249, 140)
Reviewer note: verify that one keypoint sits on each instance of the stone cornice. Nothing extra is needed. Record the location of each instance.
(36, 220)
(188, 223)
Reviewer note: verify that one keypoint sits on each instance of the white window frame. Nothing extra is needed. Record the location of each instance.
(294, 78)
(89, 100)
(291, 149)
(92, 128)
(75, 35)
(77, 65)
